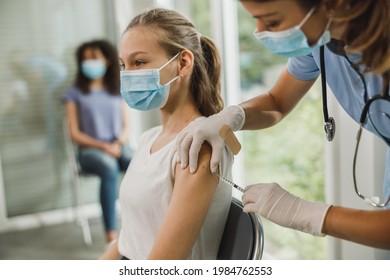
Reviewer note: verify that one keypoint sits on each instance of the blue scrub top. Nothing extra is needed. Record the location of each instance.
(348, 88)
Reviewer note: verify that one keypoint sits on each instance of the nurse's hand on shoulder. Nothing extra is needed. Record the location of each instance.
(281, 207)
(190, 139)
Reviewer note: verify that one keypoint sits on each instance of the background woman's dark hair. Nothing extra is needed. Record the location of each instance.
(176, 33)
(111, 77)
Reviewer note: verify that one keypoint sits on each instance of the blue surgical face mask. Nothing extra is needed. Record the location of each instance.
(291, 42)
(93, 68)
(142, 90)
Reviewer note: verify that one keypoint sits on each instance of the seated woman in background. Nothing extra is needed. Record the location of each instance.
(98, 122)
(168, 213)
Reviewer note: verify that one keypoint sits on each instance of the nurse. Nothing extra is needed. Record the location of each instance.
(352, 39)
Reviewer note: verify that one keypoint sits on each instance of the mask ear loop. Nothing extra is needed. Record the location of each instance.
(171, 81)
(169, 61)
(328, 24)
(307, 17)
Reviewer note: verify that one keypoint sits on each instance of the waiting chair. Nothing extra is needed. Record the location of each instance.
(82, 217)
(243, 236)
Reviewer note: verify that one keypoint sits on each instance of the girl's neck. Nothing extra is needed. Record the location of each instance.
(173, 122)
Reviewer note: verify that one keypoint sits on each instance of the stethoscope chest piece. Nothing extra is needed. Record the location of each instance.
(330, 124)
(330, 129)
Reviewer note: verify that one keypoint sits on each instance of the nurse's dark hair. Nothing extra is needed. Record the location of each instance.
(367, 29)
(305, 4)
(111, 77)
(175, 34)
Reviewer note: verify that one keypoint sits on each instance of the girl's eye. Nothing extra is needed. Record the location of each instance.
(121, 66)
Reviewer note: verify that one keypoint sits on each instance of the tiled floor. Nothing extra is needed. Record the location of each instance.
(58, 242)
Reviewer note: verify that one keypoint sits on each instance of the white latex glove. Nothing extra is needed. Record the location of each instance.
(281, 207)
(190, 139)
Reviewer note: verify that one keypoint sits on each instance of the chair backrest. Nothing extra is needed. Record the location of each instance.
(71, 151)
(69, 146)
(243, 236)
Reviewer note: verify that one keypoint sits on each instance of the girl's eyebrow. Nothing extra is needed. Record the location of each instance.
(131, 56)
(136, 53)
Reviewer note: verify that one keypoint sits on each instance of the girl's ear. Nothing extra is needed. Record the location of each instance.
(186, 63)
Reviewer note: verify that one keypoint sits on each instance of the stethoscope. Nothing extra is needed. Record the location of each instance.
(330, 125)
(329, 122)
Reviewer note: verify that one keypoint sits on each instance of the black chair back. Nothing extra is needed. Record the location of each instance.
(243, 236)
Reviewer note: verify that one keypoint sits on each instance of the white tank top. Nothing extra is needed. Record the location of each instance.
(145, 193)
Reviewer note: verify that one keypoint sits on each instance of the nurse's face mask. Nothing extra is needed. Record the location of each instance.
(293, 41)
(142, 90)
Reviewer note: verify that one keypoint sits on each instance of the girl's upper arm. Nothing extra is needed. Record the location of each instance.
(191, 197)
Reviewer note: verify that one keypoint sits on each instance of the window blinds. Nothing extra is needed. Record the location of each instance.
(39, 38)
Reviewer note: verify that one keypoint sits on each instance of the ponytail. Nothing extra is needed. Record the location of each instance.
(206, 78)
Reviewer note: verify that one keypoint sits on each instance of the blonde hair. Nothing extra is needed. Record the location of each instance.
(177, 33)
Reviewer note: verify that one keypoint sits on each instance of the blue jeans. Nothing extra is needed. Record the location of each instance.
(108, 168)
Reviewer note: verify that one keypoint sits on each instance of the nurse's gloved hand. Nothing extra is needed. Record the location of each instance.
(190, 139)
(281, 207)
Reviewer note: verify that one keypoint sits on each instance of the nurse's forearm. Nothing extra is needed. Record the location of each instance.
(367, 227)
(261, 112)
(269, 108)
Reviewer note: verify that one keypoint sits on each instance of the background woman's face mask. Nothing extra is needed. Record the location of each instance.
(93, 68)
(293, 41)
(142, 90)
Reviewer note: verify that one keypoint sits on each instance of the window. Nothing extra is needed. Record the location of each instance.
(290, 153)
(37, 50)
